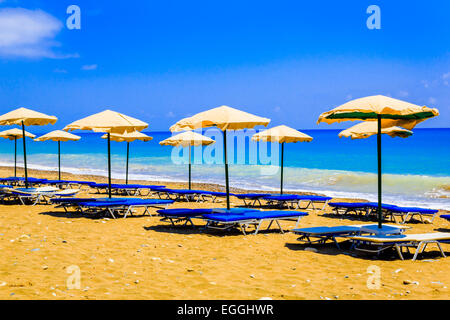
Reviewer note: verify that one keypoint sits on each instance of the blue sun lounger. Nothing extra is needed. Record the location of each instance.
(66, 203)
(128, 189)
(213, 195)
(388, 210)
(21, 181)
(359, 208)
(321, 235)
(250, 199)
(410, 212)
(293, 200)
(189, 195)
(182, 215)
(227, 220)
(68, 183)
(445, 216)
(180, 194)
(124, 206)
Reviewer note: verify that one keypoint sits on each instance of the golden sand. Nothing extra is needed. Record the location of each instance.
(141, 257)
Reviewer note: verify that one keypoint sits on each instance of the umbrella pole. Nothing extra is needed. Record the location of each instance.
(227, 186)
(15, 156)
(379, 170)
(59, 160)
(128, 155)
(189, 167)
(282, 167)
(24, 155)
(109, 165)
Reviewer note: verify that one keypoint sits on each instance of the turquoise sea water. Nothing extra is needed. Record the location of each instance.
(416, 170)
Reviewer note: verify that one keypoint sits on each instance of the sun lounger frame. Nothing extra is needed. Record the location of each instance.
(243, 224)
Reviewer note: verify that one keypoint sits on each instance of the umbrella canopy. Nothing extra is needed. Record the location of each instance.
(110, 122)
(14, 134)
(225, 118)
(58, 135)
(387, 112)
(282, 134)
(26, 117)
(392, 111)
(128, 137)
(187, 139)
(366, 129)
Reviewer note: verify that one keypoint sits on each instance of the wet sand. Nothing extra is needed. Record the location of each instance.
(141, 257)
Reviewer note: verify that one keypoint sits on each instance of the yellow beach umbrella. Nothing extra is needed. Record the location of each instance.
(58, 135)
(391, 111)
(225, 118)
(387, 112)
(14, 134)
(110, 122)
(128, 137)
(26, 117)
(281, 134)
(367, 129)
(187, 139)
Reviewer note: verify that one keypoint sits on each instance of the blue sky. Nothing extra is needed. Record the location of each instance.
(161, 61)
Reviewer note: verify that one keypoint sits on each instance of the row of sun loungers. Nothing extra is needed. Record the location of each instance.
(367, 209)
(33, 195)
(112, 206)
(368, 238)
(222, 219)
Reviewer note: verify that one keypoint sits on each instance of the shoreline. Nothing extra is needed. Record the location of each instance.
(52, 174)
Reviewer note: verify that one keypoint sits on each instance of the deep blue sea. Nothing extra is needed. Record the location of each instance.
(416, 170)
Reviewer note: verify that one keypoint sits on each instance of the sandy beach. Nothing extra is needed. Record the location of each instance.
(143, 258)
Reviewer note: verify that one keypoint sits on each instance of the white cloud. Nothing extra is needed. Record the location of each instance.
(170, 114)
(403, 93)
(277, 109)
(89, 67)
(432, 100)
(349, 97)
(60, 71)
(446, 75)
(29, 33)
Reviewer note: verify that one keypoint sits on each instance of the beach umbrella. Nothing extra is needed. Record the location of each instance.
(58, 135)
(26, 117)
(387, 112)
(367, 129)
(128, 137)
(110, 122)
(14, 134)
(187, 139)
(281, 134)
(225, 118)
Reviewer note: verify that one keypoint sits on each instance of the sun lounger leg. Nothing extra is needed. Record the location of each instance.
(419, 249)
(257, 227)
(111, 213)
(279, 226)
(399, 251)
(440, 248)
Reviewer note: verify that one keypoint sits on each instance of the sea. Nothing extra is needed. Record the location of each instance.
(416, 170)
